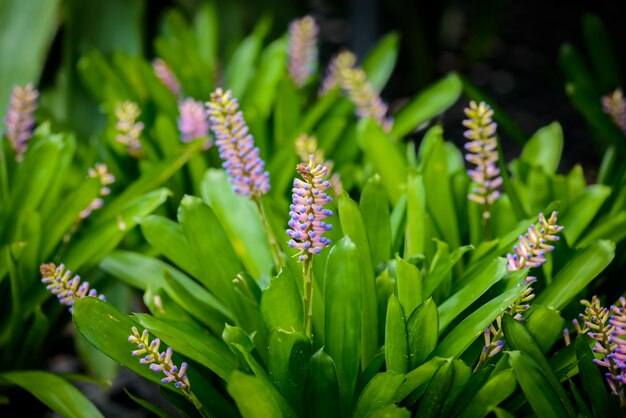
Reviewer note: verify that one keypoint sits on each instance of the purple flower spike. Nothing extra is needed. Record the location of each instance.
(534, 244)
(236, 146)
(166, 75)
(615, 106)
(61, 283)
(19, 120)
(481, 151)
(193, 121)
(128, 129)
(307, 226)
(339, 63)
(302, 49)
(160, 362)
(101, 172)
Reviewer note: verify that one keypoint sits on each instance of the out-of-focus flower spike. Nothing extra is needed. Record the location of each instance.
(166, 75)
(19, 121)
(193, 121)
(101, 172)
(241, 158)
(615, 106)
(482, 152)
(128, 129)
(67, 288)
(307, 213)
(302, 49)
(532, 247)
(340, 62)
(160, 362)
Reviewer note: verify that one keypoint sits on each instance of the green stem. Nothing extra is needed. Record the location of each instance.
(307, 296)
(196, 402)
(277, 253)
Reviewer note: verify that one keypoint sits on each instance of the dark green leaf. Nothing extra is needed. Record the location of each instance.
(591, 378)
(289, 355)
(496, 390)
(578, 217)
(376, 218)
(396, 338)
(252, 396)
(544, 148)
(423, 329)
(436, 392)
(380, 62)
(378, 393)
(322, 390)
(415, 236)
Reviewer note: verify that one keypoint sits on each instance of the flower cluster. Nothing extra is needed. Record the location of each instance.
(100, 172)
(307, 226)
(366, 100)
(340, 62)
(615, 106)
(19, 120)
(166, 75)
(129, 130)
(61, 283)
(302, 49)
(482, 152)
(306, 146)
(193, 121)
(236, 146)
(607, 328)
(159, 362)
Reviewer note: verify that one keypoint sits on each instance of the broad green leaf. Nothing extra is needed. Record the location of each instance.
(538, 390)
(415, 236)
(240, 220)
(252, 396)
(495, 391)
(611, 227)
(101, 238)
(434, 100)
(520, 339)
(439, 199)
(477, 381)
(398, 221)
(461, 374)
(390, 411)
(396, 338)
(545, 325)
(583, 211)
(544, 148)
(322, 390)
(376, 218)
(209, 243)
(192, 343)
(167, 237)
(319, 109)
(353, 226)
(264, 86)
(602, 52)
(149, 406)
(409, 284)
(475, 286)
(281, 303)
(582, 268)
(286, 113)
(379, 392)
(423, 330)
(54, 391)
(384, 156)
(289, 355)
(343, 299)
(380, 62)
(591, 378)
(441, 270)
(417, 377)
(436, 392)
(462, 336)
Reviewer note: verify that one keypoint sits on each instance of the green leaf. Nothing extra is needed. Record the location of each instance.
(214, 253)
(436, 392)
(379, 392)
(149, 406)
(476, 285)
(390, 411)
(591, 379)
(343, 299)
(462, 336)
(240, 220)
(441, 270)
(461, 374)
(415, 236)
(544, 148)
(261, 93)
(322, 390)
(494, 392)
(384, 156)
(252, 396)
(287, 113)
(409, 284)
(611, 227)
(57, 393)
(353, 226)
(520, 339)
(545, 325)
(578, 216)
(538, 391)
(582, 268)
(417, 377)
(289, 355)
(423, 329)
(396, 338)
(431, 102)
(376, 219)
(192, 343)
(281, 303)
(380, 62)
(602, 52)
